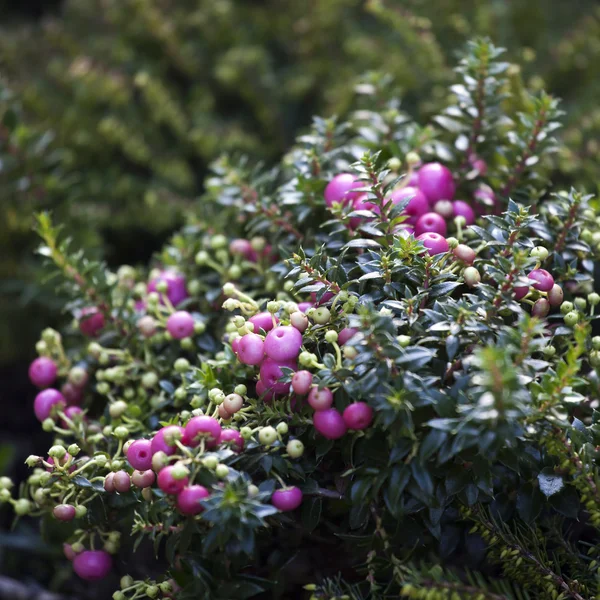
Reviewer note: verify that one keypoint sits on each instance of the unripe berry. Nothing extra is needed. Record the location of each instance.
(404, 340)
(267, 436)
(295, 448)
(540, 253)
(471, 276)
(331, 337)
(555, 295)
(594, 299)
(22, 507)
(232, 403)
(299, 321)
(241, 389)
(121, 482)
(121, 432)
(321, 315)
(282, 428)
(149, 380)
(117, 409)
(246, 433)
(541, 308)
(126, 581)
(143, 479)
(210, 462)
(64, 512)
(580, 303)
(222, 471)
(57, 452)
(181, 365)
(159, 461)
(464, 253)
(566, 307)
(571, 319)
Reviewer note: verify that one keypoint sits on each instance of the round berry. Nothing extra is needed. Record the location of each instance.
(330, 423)
(541, 308)
(233, 403)
(418, 204)
(91, 321)
(241, 247)
(202, 428)
(271, 373)
(301, 382)
(303, 307)
(321, 315)
(346, 334)
(556, 295)
(544, 281)
(139, 455)
(283, 343)
(358, 415)
(251, 349)
(320, 399)
(180, 325)
(109, 483)
(169, 484)
(430, 222)
(520, 292)
(164, 439)
(74, 414)
(434, 242)
(147, 326)
(122, 482)
(299, 320)
(267, 435)
(64, 512)
(92, 565)
(436, 182)
(72, 394)
(42, 371)
(45, 401)
(295, 448)
(339, 189)
(462, 209)
(464, 253)
(571, 319)
(263, 320)
(233, 439)
(143, 479)
(287, 499)
(188, 500)
(68, 551)
(444, 208)
(176, 290)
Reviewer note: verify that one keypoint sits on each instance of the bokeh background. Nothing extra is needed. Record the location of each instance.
(111, 112)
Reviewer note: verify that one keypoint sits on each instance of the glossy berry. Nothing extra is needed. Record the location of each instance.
(188, 500)
(139, 455)
(556, 295)
(180, 324)
(339, 189)
(436, 182)
(430, 222)
(251, 349)
(358, 415)
(464, 253)
(91, 321)
(164, 439)
(418, 204)
(301, 382)
(233, 439)
(544, 281)
(42, 372)
(304, 306)
(233, 403)
(92, 565)
(363, 203)
(202, 428)
(320, 399)
(263, 320)
(462, 209)
(520, 291)
(143, 479)
(299, 320)
(283, 343)
(109, 483)
(122, 481)
(45, 401)
(271, 373)
(287, 499)
(64, 512)
(74, 414)
(169, 484)
(541, 308)
(176, 286)
(330, 423)
(434, 242)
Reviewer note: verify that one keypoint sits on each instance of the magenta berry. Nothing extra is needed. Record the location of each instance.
(520, 292)
(464, 253)
(270, 373)
(304, 306)
(180, 324)
(326, 297)
(283, 343)
(42, 372)
(320, 399)
(73, 413)
(233, 439)
(358, 415)
(188, 500)
(235, 345)
(329, 423)
(122, 482)
(462, 209)
(72, 394)
(346, 334)
(262, 392)
(436, 182)
(541, 308)
(139, 454)
(168, 484)
(92, 565)
(45, 401)
(91, 321)
(287, 499)
(241, 247)
(431, 221)
(164, 439)
(251, 349)
(64, 512)
(418, 204)
(544, 281)
(202, 428)
(143, 479)
(176, 286)
(363, 203)
(263, 320)
(556, 295)
(434, 242)
(339, 189)
(301, 382)
(485, 200)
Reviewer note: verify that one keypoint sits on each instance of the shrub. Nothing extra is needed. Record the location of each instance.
(303, 394)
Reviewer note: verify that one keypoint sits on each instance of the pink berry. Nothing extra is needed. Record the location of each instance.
(235, 345)
(122, 481)
(91, 321)
(283, 343)
(544, 281)
(435, 181)
(329, 423)
(434, 242)
(358, 415)
(188, 500)
(74, 414)
(346, 334)
(68, 551)
(176, 286)
(168, 484)
(485, 200)
(180, 324)
(462, 209)
(64, 512)
(320, 399)
(556, 295)
(464, 253)
(301, 382)
(241, 248)
(42, 371)
(413, 180)
(363, 203)
(304, 306)
(263, 393)
(202, 428)
(92, 565)
(541, 308)
(326, 297)
(109, 483)
(164, 439)
(430, 222)
(271, 373)
(143, 479)
(520, 292)
(139, 454)
(72, 394)
(45, 401)
(251, 349)
(339, 189)
(287, 499)
(263, 320)
(417, 206)
(233, 439)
